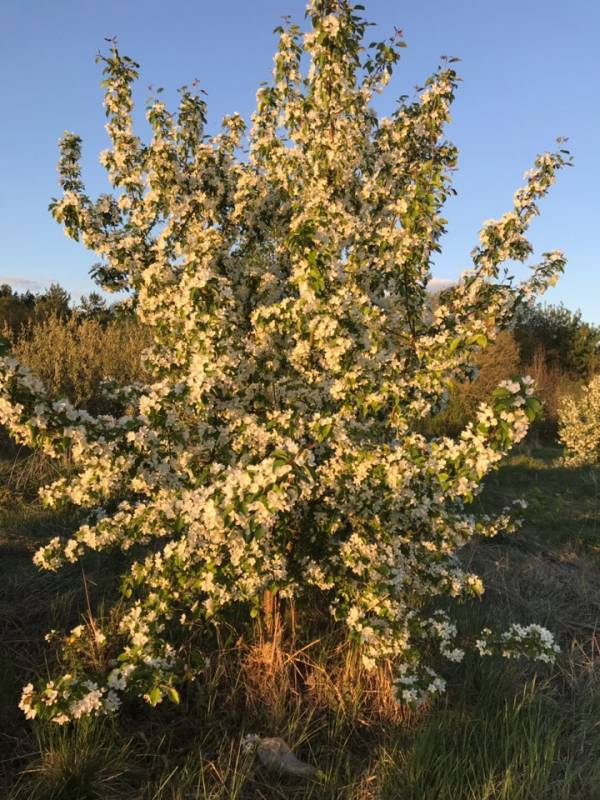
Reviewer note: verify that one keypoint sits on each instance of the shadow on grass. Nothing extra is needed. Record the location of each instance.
(563, 502)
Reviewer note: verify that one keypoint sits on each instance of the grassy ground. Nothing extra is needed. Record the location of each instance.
(503, 732)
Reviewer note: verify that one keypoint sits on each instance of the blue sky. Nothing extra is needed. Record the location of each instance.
(529, 70)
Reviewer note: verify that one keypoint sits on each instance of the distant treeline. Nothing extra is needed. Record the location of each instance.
(20, 309)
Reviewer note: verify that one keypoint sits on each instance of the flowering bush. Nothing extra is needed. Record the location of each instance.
(579, 425)
(275, 447)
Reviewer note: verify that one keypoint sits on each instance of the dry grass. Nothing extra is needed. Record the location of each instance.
(498, 362)
(552, 384)
(74, 356)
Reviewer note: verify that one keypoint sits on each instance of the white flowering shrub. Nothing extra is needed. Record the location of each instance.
(579, 425)
(294, 356)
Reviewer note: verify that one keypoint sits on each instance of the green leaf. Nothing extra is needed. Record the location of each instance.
(324, 432)
(155, 696)
(480, 339)
(173, 694)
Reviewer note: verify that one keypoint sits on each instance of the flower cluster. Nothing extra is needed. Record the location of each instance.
(579, 425)
(295, 353)
(67, 699)
(531, 641)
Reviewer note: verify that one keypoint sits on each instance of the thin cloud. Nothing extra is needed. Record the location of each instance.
(24, 283)
(437, 284)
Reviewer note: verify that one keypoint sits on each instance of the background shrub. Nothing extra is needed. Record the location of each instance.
(579, 424)
(74, 355)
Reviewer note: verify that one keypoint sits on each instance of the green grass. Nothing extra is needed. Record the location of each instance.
(498, 749)
(503, 731)
(563, 502)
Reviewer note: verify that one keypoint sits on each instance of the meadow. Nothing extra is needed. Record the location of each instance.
(505, 730)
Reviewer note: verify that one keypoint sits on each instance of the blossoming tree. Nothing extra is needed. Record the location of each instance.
(579, 425)
(294, 354)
